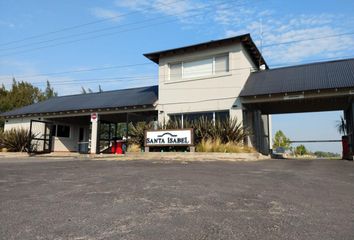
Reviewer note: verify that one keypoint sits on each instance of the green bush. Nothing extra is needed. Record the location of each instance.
(217, 146)
(137, 132)
(226, 131)
(15, 140)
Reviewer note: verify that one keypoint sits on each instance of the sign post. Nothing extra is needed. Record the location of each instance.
(94, 117)
(94, 133)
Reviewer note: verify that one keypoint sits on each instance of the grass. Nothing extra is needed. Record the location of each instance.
(218, 146)
(134, 148)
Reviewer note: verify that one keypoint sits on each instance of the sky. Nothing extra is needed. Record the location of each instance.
(80, 43)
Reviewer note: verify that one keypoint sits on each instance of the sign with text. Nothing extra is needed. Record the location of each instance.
(94, 117)
(183, 137)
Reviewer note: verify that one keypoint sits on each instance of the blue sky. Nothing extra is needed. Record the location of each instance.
(120, 31)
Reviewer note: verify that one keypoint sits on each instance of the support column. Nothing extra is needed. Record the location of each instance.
(94, 137)
(270, 135)
(349, 119)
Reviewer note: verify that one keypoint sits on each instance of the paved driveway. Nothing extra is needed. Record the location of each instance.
(274, 199)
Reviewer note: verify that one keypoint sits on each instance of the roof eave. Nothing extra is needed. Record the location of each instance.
(245, 39)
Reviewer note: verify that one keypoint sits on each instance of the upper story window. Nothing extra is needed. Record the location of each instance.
(199, 68)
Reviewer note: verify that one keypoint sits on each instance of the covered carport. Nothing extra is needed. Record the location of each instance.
(325, 86)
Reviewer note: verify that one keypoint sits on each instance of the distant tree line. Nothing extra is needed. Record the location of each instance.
(281, 141)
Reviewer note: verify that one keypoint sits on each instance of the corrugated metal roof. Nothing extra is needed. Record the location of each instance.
(103, 100)
(307, 77)
(245, 39)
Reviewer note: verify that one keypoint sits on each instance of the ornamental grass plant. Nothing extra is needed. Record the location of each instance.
(15, 140)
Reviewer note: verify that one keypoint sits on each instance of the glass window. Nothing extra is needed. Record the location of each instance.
(196, 116)
(176, 71)
(221, 64)
(198, 68)
(223, 115)
(63, 131)
(175, 117)
(54, 130)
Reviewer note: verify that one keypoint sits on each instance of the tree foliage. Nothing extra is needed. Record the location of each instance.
(342, 126)
(301, 150)
(22, 94)
(280, 140)
(321, 154)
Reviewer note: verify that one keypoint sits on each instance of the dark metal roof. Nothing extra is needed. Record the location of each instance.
(103, 100)
(245, 39)
(307, 77)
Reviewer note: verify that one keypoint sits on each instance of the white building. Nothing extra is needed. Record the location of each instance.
(216, 79)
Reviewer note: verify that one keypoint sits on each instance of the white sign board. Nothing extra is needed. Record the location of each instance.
(94, 117)
(183, 137)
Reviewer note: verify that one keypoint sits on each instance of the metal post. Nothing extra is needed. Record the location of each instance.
(45, 136)
(182, 120)
(214, 118)
(126, 126)
(30, 138)
(94, 137)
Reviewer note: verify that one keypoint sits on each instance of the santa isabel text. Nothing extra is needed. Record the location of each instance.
(168, 140)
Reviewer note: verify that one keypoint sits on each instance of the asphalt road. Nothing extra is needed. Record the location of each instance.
(273, 199)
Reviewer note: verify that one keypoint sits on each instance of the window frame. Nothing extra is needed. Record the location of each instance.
(200, 59)
(57, 128)
(184, 116)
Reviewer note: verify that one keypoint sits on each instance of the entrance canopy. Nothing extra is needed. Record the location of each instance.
(312, 87)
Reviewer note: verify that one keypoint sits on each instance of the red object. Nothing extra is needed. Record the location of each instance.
(117, 147)
(345, 146)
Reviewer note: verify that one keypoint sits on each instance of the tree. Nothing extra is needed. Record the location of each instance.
(342, 126)
(280, 140)
(49, 92)
(301, 150)
(84, 91)
(22, 94)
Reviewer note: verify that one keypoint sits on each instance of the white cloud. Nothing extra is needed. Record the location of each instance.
(286, 29)
(106, 14)
(179, 9)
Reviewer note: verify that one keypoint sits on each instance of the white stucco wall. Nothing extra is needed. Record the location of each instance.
(59, 144)
(212, 93)
(17, 123)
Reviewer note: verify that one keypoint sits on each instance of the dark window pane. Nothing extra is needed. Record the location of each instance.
(63, 131)
(222, 115)
(175, 117)
(196, 116)
(54, 130)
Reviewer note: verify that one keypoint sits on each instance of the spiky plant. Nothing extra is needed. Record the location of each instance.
(16, 140)
(137, 132)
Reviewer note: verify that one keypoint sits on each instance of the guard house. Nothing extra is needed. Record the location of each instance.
(217, 79)
(64, 123)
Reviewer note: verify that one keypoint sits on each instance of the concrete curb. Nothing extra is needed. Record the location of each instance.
(185, 156)
(164, 156)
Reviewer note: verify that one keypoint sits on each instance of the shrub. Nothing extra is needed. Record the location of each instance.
(16, 140)
(218, 146)
(226, 131)
(137, 132)
(133, 148)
